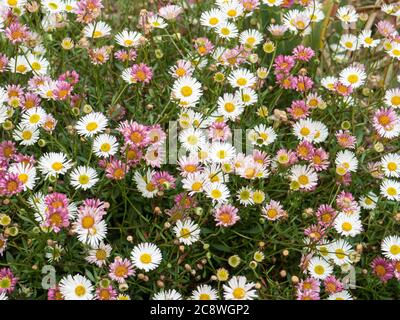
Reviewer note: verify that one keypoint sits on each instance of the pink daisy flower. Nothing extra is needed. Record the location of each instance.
(345, 139)
(319, 159)
(120, 269)
(273, 211)
(309, 284)
(305, 150)
(134, 133)
(332, 285)
(3, 62)
(298, 110)
(17, 33)
(116, 169)
(325, 215)
(163, 180)
(203, 46)
(219, 131)
(141, 73)
(7, 280)
(284, 64)
(88, 10)
(302, 83)
(10, 184)
(303, 53)
(226, 215)
(382, 268)
(108, 293)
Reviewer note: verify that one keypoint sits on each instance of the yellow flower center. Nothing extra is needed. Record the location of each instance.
(216, 194)
(105, 147)
(395, 249)
(57, 166)
(91, 126)
(145, 258)
(395, 100)
(346, 226)
(353, 78)
(229, 107)
(87, 222)
(23, 177)
(241, 81)
(238, 293)
(83, 179)
(303, 179)
(213, 21)
(319, 270)
(80, 290)
(101, 254)
(186, 91)
(184, 233)
(26, 135)
(392, 191)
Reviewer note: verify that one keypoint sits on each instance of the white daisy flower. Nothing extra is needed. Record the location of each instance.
(90, 229)
(157, 22)
(392, 98)
(262, 135)
(339, 252)
(245, 196)
(76, 288)
(303, 177)
(349, 42)
(91, 124)
(342, 295)
(37, 64)
(365, 39)
(168, 295)
(83, 177)
(319, 268)
(272, 3)
(146, 256)
(105, 145)
(95, 30)
(128, 38)
(368, 201)
(347, 14)
(192, 139)
(54, 163)
(222, 152)
(242, 78)
(26, 135)
(231, 9)
(230, 106)
(144, 184)
(53, 6)
(18, 64)
(187, 231)
(345, 161)
(227, 30)
(187, 91)
(353, 76)
(26, 174)
(348, 225)
(204, 292)
(33, 117)
(329, 82)
(217, 191)
(390, 164)
(390, 189)
(212, 18)
(247, 96)
(238, 288)
(391, 247)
